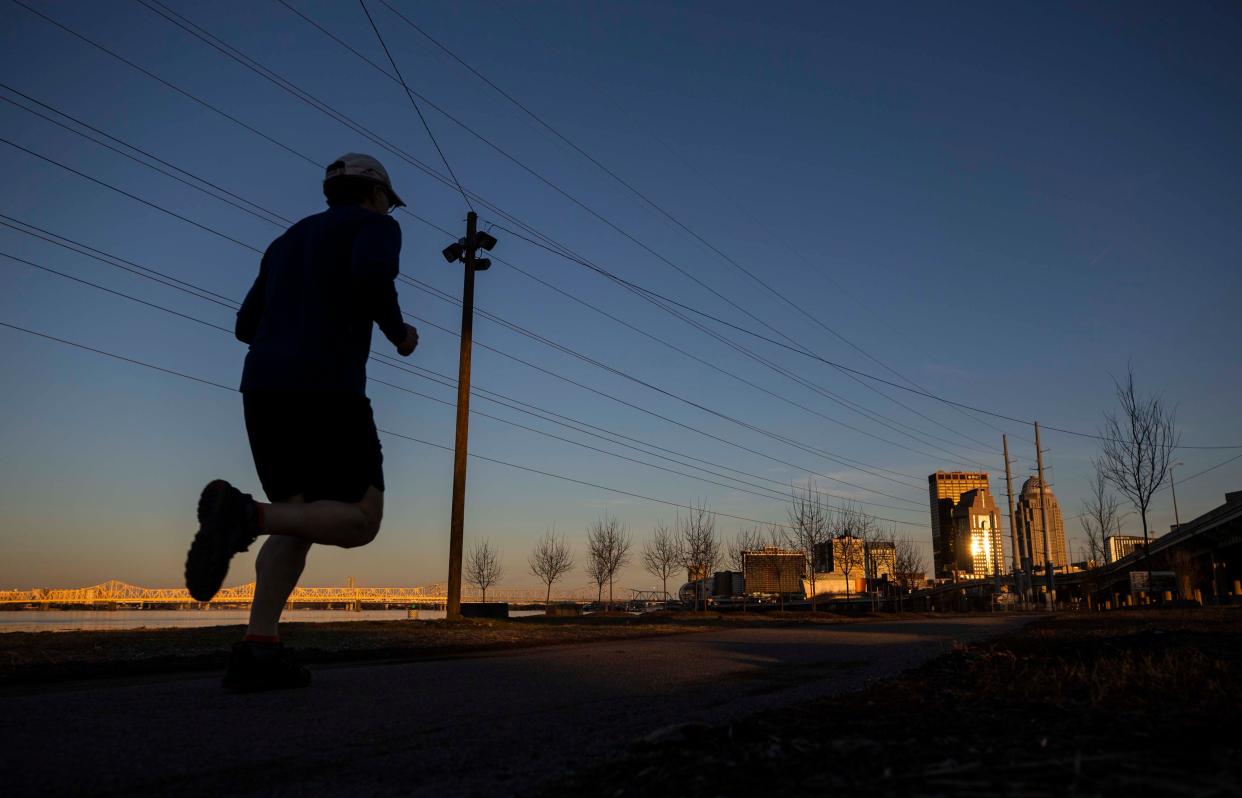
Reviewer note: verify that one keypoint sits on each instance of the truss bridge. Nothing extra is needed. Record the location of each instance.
(120, 594)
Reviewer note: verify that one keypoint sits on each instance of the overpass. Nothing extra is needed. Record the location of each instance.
(1205, 555)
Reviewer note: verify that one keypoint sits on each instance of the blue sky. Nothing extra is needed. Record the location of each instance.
(1003, 204)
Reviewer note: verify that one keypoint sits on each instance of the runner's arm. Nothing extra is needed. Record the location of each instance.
(252, 307)
(376, 260)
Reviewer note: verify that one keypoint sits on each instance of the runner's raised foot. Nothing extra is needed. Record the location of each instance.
(228, 522)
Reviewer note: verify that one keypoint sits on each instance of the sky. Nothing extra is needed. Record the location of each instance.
(1006, 205)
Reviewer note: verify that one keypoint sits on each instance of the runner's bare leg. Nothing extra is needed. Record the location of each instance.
(292, 527)
(277, 570)
(330, 523)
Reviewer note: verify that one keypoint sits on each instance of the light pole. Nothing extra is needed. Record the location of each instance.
(1173, 487)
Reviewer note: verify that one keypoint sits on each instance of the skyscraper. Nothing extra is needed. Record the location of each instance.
(1030, 526)
(945, 489)
(977, 534)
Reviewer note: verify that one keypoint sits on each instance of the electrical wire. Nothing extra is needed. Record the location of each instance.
(440, 379)
(413, 102)
(813, 356)
(315, 103)
(427, 170)
(548, 342)
(635, 240)
(648, 201)
(183, 375)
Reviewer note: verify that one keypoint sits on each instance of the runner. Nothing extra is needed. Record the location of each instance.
(307, 319)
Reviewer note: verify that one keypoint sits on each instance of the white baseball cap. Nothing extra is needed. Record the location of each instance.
(354, 164)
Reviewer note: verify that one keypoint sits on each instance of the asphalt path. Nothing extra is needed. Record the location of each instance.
(498, 723)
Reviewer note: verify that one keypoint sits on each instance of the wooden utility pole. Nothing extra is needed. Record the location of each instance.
(1019, 550)
(1043, 521)
(463, 250)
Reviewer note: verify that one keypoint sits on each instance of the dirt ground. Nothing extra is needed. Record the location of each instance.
(1117, 704)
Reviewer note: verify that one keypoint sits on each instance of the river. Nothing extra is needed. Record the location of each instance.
(92, 620)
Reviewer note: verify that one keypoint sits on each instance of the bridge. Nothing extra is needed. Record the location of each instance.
(120, 594)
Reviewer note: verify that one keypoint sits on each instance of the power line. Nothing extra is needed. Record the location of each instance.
(497, 461)
(114, 292)
(805, 353)
(547, 342)
(134, 197)
(323, 108)
(774, 394)
(757, 358)
(413, 102)
(254, 209)
(635, 240)
(163, 82)
(768, 495)
(586, 428)
(446, 381)
(137, 269)
(663, 391)
(303, 96)
(659, 208)
(660, 416)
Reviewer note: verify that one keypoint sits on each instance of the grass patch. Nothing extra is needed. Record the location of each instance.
(1124, 703)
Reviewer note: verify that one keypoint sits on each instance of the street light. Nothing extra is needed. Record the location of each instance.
(1173, 487)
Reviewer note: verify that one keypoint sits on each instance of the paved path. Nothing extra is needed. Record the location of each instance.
(483, 725)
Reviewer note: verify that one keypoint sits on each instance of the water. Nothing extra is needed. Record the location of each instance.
(89, 620)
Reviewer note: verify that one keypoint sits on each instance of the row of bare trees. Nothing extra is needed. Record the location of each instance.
(693, 544)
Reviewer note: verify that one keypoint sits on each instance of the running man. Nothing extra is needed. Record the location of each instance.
(308, 321)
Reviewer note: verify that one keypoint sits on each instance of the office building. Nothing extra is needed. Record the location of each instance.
(977, 535)
(1118, 546)
(945, 489)
(845, 564)
(773, 570)
(1031, 527)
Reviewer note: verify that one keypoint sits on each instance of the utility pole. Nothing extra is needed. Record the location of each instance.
(1173, 487)
(1043, 522)
(465, 251)
(1019, 550)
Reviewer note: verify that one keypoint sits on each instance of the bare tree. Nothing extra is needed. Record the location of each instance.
(1137, 449)
(608, 544)
(907, 561)
(700, 548)
(1101, 515)
(853, 527)
(808, 526)
(879, 551)
(551, 559)
(597, 565)
(483, 567)
(747, 539)
(662, 554)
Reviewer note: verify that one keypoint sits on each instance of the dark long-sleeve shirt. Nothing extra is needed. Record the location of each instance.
(308, 315)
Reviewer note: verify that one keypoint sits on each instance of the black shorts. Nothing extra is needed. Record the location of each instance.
(321, 446)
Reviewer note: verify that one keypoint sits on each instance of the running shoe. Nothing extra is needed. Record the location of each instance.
(228, 522)
(263, 666)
